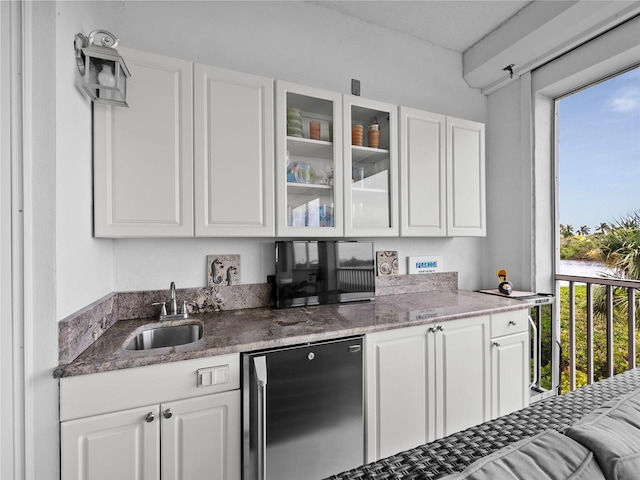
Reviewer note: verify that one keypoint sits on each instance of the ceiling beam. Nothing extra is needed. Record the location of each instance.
(537, 34)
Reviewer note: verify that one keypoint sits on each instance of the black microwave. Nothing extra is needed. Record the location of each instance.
(323, 272)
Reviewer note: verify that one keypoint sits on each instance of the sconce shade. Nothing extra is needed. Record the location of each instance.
(104, 73)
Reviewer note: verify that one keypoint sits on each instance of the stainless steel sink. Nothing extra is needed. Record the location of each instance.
(166, 336)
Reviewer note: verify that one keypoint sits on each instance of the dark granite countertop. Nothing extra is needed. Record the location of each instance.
(246, 330)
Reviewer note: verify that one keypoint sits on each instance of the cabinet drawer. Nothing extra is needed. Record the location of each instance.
(97, 393)
(509, 322)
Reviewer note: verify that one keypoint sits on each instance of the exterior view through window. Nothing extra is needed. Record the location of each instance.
(598, 200)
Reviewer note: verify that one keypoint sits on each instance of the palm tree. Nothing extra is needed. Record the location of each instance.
(584, 231)
(566, 230)
(603, 228)
(620, 250)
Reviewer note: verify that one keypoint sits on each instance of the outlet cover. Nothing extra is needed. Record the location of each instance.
(223, 270)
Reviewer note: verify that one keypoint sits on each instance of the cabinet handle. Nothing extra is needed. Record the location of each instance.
(167, 413)
(150, 417)
(512, 322)
(431, 329)
(440, 328)
(496, 344)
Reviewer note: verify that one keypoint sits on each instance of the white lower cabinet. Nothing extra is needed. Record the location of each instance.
(185, 439)
(114, 445)
(510, 370)
(425, 382)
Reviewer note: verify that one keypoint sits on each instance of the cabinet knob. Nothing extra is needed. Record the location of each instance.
(150, 417)
(167, 413)
(440, 328)
(512, 322)
(496, 344)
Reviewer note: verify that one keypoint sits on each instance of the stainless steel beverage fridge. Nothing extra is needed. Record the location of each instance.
(303, 411)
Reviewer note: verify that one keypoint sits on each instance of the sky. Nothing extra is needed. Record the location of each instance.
(599, 152)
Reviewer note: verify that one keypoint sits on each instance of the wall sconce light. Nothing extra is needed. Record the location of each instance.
(102, 68)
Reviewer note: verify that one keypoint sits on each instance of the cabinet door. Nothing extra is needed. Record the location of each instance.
(143, 155)
(201, 438)
(370, 168)
(423, 187)
(462, 374)
(509, 373)
(234, 191)
(466, 198)
(308, 162)
(123, 444)
(397, 376)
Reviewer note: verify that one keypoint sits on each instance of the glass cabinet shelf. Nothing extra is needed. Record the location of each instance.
(306, 147)
(368, 154)
(307, 188)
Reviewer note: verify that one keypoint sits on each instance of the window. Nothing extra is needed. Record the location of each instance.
(598, 142)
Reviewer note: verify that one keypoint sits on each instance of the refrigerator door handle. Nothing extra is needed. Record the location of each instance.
(260, 367)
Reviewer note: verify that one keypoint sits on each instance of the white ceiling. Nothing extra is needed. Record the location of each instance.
(453, 24)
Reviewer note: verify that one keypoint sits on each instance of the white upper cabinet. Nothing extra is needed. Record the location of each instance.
(466, 196)
(143, 155)
(423, 204)
(370, 167)
(442, 163)
(234, 179)
(308, 162)
(198, 153)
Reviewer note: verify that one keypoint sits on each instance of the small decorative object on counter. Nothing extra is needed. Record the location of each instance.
(314, 130)
(294, 122)
(387, 262)
(374, 133)
(356, 135)
(505, 285)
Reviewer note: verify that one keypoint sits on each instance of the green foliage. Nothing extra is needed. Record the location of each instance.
(618, 246)
(580, 247)
(620, 340)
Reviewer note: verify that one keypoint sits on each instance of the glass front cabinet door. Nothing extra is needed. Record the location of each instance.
(308, 162)
(370, 167)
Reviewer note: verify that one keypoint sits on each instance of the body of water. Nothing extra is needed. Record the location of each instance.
(582, 268)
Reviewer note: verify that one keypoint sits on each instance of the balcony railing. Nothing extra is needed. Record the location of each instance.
(612, 288)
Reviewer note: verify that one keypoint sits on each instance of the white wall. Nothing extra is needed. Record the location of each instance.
(84, 264)
(293, 41)
(509, 188)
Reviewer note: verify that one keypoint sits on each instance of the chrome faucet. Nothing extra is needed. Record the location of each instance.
(173, 314)
(172, 296)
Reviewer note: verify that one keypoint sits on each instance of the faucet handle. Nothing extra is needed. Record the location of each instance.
(163, 310)
(185, 313)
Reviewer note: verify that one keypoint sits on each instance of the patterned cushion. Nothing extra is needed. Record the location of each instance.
(546, 456)
(612, 432)
(453, 453)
